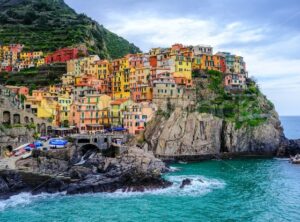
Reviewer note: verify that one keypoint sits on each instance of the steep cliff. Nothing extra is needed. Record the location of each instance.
(221, 122)
(200, 134)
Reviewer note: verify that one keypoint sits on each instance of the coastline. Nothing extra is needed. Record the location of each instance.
(42, 183)
(222, 156)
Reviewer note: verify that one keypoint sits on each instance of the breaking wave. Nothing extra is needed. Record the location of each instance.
(24, 199)
(199, 186)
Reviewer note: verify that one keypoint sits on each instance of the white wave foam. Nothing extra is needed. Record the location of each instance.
(174, 169)
(199, 186)
(24, 199)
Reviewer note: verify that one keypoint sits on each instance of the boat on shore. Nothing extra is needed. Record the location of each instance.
(295, 159)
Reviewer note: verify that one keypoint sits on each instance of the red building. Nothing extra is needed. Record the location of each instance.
(153, 61)
(65, 54)
(8, 68)
(223, 64)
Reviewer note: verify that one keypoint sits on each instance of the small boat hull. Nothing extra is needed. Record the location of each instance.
(295, 159)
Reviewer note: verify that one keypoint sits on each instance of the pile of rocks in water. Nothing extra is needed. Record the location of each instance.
(59, 171)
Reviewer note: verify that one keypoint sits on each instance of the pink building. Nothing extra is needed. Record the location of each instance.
(235, 81)
(137, 116)
(90, 113)
(19, 90)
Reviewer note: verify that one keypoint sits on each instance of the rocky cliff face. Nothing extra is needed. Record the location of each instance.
(12, 138)
(63, 171)
(198, 134)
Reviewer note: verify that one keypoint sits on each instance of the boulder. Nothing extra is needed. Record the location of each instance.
(185, 182)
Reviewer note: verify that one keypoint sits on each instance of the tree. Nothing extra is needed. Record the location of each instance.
(29, 18)
(3, 19)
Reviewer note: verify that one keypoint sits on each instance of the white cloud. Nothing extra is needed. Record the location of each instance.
(158, 31)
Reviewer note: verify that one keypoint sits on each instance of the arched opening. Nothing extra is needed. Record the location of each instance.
(88, 148)
(26, 119)
(86, 152)
(31, 120)
(17, 118)
(6, 117)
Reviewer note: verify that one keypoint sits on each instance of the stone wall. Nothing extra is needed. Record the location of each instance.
(186, 100)
(11, 114)
(14, 137)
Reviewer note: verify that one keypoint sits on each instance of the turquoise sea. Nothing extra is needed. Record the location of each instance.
(234, 190)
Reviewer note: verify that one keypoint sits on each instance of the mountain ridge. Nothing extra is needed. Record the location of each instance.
(50, 24)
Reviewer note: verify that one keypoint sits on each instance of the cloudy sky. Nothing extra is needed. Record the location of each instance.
(265, 32)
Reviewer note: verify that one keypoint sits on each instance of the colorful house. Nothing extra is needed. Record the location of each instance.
(64, 110)
(65, 54)
(137, 115)
(235, 81)
(117, 109)
(91, 113)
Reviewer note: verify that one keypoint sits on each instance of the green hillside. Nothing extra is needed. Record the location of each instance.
(50, 24)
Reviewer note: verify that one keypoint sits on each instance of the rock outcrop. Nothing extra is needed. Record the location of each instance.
(289, 148)
(55, 171)
(197, 134)
(14, 137)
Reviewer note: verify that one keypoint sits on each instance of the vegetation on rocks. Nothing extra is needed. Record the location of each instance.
(51, 24)
(244, 107)
(35, 77)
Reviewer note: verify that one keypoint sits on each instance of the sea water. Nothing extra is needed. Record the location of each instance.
(255, 189)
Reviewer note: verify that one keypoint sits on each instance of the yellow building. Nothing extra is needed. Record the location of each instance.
(196, 62)
(183, 68)
(48, 109)
(121, 79)
(117, 109)
(121, 84)
(67, 79)
(238, 64)
(64, 110)
(26, 56)
(103, 69)
(37, 54)
(42, 105)
(74, 67)
(39, 62)
(207, 62)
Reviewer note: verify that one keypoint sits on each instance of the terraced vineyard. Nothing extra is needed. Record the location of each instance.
(51, 24)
